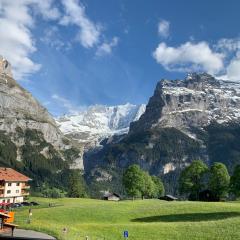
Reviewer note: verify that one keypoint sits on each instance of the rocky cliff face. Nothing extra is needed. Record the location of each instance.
(185, 120)
(193, 102)
(19, 109)
(24, 122)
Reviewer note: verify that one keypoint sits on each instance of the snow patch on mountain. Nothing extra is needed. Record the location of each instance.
(98, 122)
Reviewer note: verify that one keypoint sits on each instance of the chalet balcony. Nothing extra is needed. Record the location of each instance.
(2, 184)
(1, 193)
(25, 186)
(24, 193)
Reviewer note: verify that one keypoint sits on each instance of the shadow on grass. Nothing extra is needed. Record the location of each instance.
(189, 217)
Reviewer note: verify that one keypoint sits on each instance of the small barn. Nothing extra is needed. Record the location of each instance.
(111, 197)
(168, 198)
(208, 196)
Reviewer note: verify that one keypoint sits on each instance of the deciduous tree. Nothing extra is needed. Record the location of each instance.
(149, 186)
(219, 180)
(235, 181)
(159, 187)
(133, 181)
(192, 179)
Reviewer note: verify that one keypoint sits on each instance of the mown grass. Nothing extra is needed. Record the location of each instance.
(144, 219)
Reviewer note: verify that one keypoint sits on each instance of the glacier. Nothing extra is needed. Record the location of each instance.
(90, 126)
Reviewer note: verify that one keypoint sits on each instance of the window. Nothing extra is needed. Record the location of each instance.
(17, 184)
(17, 191)
(9, 184)
(8, 191)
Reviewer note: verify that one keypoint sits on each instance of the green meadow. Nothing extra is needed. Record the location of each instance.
(144, 219)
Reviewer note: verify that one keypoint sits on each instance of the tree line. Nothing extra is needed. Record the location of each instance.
(199, 182)
(77, 187)
(196, 182)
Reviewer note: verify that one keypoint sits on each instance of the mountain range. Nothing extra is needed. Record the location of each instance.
(186, 119)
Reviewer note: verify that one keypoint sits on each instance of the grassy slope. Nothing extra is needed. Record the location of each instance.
(144, 219)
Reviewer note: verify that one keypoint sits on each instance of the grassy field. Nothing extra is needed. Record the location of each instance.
(144, 219)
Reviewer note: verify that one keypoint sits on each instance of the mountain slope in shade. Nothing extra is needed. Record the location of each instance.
(98, 122)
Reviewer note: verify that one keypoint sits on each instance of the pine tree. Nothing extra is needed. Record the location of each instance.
(77, 187)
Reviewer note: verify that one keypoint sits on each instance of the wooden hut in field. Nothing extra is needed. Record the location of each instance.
(111, 197)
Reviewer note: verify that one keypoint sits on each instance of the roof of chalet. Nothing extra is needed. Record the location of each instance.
(9, 174)
(106, 195)
(169, 196)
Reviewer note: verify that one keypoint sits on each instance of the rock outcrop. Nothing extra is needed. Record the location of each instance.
(5, 67)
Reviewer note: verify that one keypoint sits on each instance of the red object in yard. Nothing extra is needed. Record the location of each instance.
(5, 204)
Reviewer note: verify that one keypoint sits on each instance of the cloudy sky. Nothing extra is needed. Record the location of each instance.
(74, 53)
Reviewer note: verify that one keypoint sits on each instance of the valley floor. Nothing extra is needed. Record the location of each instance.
(144, 219)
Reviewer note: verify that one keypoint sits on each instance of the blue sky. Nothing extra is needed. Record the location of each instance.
(71, 54)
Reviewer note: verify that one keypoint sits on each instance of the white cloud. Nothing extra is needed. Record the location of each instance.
(221, 59)
(228, 45)
(106, 47)
(17, 22)
(231, 48)
(53, 38)
(163, 28)
(72, 109)
(189, 57)
(17, 42)
(89, 32)
(46, 9)
(232, 70)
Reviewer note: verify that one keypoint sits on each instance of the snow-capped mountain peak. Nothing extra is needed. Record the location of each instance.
(98, 122)
(196, 101)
